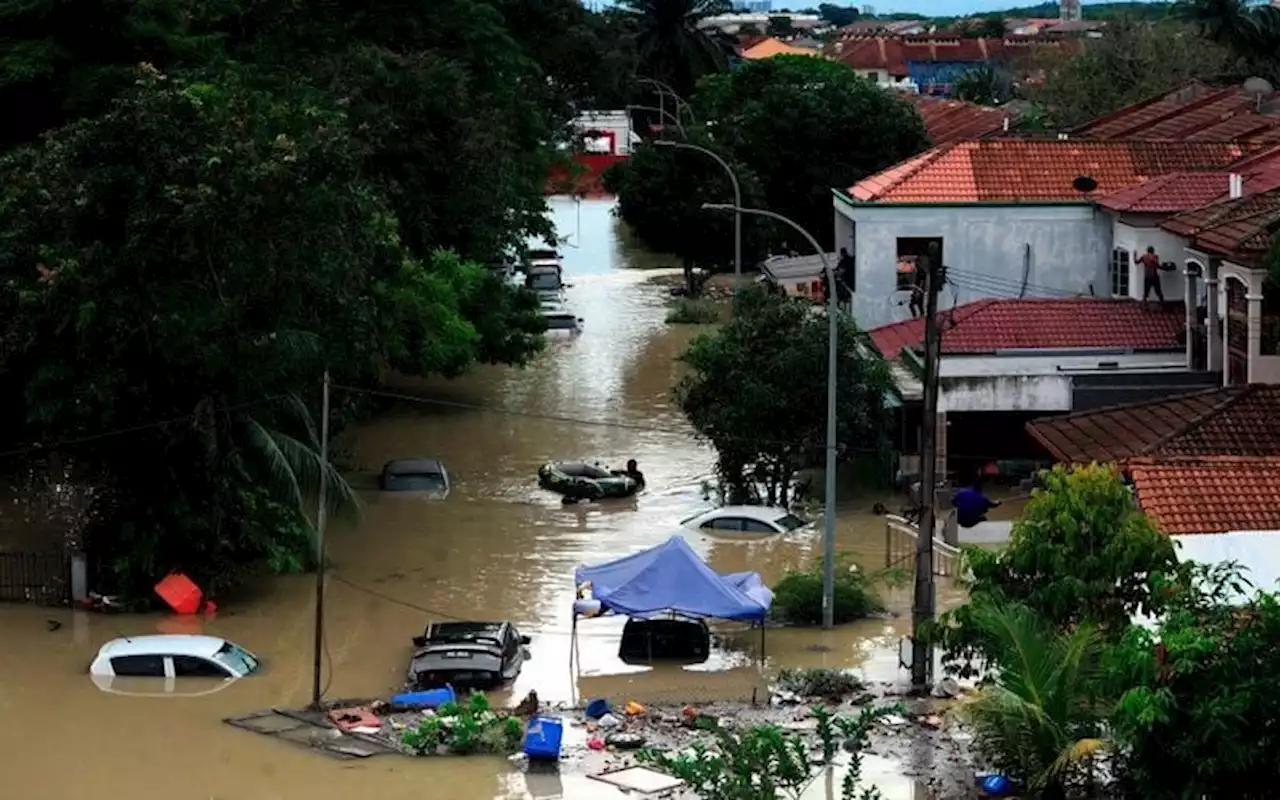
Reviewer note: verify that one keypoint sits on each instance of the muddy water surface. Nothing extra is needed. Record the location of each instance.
(498, 548)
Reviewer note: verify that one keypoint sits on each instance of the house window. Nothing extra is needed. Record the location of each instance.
(874, 77)
(909, 252)
(1119, 272)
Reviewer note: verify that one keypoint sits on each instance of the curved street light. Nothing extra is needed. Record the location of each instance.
(737, 200)
(665, 115)
(682, 105)
(833, 343)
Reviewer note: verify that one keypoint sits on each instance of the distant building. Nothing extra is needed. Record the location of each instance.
(1070, 11)
(733, 23)
(753, 6)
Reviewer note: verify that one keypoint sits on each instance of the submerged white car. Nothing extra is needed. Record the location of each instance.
(171, 656)
(745, 521)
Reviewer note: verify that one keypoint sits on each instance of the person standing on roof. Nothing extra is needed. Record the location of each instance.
(1151, 268)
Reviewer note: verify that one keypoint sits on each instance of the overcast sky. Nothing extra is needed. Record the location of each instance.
(933, 8)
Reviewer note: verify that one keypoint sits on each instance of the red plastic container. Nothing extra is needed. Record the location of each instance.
(182, 595)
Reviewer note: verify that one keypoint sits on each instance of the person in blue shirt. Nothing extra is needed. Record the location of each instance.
(972, 505)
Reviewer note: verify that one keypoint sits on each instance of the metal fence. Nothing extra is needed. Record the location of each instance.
(40, 578)
(900, 537)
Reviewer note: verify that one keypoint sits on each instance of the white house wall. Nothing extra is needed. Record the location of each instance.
(992, 382)
(983, 245)
(1045, 393)
(1136, 235)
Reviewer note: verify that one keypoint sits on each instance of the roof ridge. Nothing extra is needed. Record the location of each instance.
(1207, 458)
(1198, 420)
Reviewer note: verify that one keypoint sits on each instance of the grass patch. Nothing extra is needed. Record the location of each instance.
(797, 598)
(690, 311)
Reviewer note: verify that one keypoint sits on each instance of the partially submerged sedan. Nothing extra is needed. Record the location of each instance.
(425, 475)
(746, 522)
(171, 656)
(470, 654)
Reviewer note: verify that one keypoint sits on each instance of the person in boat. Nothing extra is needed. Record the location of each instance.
(972, 505)
(633, 472)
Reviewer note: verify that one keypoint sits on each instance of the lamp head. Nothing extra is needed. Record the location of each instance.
(663, 142)
(716, 207)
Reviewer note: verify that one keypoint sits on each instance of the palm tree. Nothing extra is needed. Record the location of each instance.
(1249, 30)
(1038, 719)
(670, 45)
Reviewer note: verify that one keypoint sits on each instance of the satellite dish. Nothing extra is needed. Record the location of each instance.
(1258, 87)
(1084, 184)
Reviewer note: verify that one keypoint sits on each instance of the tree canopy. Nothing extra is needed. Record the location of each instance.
(1134, 61)
(757, 391)
(793, 126)
(205, 205)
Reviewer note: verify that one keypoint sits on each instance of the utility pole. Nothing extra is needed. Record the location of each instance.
(923, 609)
(322, 519)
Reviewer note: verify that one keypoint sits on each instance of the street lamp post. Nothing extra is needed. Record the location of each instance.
(737, 201)
(662, 112)
(664, 89)
(833, 346)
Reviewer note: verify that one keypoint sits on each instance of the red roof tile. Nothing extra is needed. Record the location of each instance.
(985, 326)
(1035, 171)
(1185, 191)
(1240, 229)
(1240, 420)
(1192, 111)
(1209, 494)
(949, 121)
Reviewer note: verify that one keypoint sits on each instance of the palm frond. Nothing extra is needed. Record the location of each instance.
(296, 472)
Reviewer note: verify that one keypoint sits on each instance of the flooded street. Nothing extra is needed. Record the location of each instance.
(497, 548)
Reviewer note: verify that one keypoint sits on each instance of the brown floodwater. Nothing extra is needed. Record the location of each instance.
(497, 548)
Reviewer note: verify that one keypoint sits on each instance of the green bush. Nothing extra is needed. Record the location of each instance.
(829, 684)
(797, 598)
(689, 311)
(465, 729)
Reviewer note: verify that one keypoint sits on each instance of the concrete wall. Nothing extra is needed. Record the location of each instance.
(1136, 233)
(984, 245)
(1032, 383)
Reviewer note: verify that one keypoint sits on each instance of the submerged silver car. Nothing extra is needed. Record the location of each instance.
(466, 654)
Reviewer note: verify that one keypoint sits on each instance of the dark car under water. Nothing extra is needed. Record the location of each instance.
(466, 654)
(425, 475)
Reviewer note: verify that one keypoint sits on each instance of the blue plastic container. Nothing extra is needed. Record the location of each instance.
(542, 738)
(596, 708)
(431, 698)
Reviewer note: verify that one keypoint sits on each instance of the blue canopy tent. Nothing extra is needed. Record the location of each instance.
(671, 579)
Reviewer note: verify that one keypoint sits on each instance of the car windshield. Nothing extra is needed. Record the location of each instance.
(237, 658)
(789, 522)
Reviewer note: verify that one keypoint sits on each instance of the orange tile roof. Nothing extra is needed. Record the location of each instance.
(1193, 112)
(986, 326)
(1035, 171)
(1241, 229)
(948, 121)
(1240, 420)
(1209, 494)
(770, 47)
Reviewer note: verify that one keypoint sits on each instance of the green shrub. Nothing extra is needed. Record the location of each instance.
(764, 762)
(689, 311)
(465, 729)
(797, 598)
(830, 684)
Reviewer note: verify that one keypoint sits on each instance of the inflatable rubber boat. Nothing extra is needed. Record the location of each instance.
(578, 480)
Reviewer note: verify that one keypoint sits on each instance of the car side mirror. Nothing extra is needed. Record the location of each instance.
(525, 640)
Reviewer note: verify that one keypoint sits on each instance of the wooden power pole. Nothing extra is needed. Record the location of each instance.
(925, 596)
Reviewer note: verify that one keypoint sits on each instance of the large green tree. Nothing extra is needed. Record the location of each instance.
(806, 125)
(1249, 30)
(1081, 553)
(1134, 61)
(757, 390)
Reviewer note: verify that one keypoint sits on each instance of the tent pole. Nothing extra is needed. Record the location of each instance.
(762, 643)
